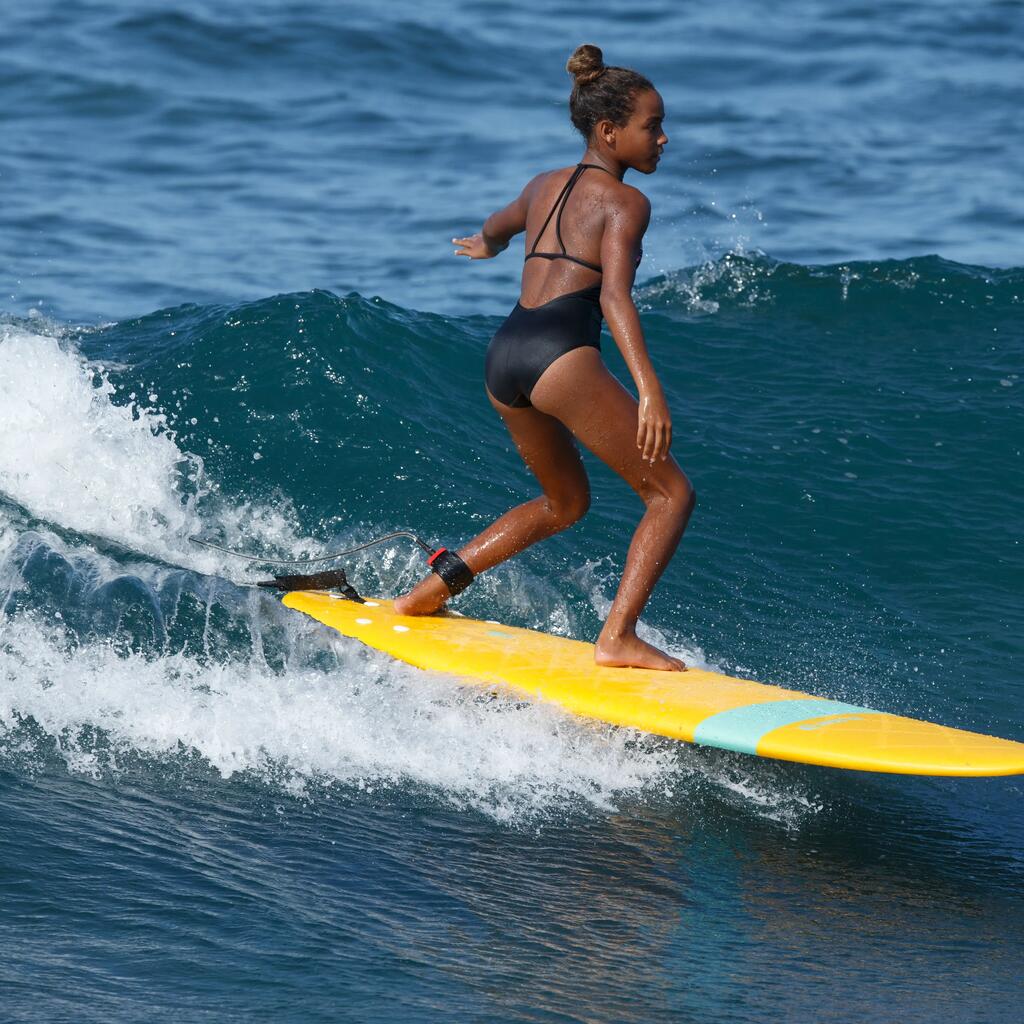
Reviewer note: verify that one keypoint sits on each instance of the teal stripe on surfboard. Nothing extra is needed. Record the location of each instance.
(741, 729)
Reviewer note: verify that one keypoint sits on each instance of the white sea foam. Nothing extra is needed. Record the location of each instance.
(72, 454)
(75, 453)
(371, 724)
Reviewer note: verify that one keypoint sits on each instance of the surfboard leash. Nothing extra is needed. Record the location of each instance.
(453, 571)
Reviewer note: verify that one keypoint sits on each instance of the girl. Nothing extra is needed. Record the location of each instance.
(544, 374)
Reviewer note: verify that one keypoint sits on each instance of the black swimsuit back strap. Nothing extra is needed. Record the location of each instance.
(559, 205)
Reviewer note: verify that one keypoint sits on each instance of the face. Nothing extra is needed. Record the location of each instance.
(639, 143)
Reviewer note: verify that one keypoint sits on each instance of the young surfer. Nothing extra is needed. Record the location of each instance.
(544, 374)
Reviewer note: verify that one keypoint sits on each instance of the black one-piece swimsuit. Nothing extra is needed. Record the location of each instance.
(533, 337)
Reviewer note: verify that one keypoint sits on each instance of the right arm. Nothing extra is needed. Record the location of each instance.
(498, 229)
(625, 224)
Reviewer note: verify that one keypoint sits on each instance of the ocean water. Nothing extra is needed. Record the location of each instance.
(228, 308)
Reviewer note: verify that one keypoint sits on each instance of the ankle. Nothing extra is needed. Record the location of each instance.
(617, 632)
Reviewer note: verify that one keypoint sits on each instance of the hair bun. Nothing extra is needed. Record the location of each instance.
(586, 64)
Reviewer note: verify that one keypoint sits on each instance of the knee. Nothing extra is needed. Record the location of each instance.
(688, 495)
(568, 509)
(674, 491)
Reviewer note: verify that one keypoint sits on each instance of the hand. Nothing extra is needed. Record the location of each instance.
(475, 247)
(654, 426)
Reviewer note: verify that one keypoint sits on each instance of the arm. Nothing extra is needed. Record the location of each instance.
(497, 230)
(625, 224)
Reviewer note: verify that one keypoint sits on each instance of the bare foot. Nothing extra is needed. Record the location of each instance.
(629, 651)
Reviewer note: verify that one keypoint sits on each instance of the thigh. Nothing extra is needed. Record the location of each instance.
(580, 391)
(548, 450)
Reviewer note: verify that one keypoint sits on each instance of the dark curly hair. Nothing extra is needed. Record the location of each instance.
(601, 92)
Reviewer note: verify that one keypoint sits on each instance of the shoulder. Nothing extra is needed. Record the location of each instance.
(629, 207)
(538, 181)
(632, 202)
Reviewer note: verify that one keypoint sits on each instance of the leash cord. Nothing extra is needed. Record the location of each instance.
(312, 561)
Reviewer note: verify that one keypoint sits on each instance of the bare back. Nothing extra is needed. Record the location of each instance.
(581, 224)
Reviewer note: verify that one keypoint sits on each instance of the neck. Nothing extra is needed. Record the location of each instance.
(604, 160)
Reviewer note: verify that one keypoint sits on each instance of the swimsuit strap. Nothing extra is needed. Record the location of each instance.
(564, 194)
(559, 205)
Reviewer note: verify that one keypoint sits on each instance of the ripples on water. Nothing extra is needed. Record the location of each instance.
(214, 758)
(209, 802)
(186, 152)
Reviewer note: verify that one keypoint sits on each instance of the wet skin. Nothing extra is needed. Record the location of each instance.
(577, 398)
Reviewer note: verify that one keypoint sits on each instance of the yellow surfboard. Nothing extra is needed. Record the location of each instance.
(696, 706)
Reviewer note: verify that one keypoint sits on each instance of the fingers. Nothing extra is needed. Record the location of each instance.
(650, 440)
(654, 438)
(468, 246)
(645, 439)
(664, 441)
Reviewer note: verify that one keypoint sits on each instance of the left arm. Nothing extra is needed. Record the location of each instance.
(625, 224)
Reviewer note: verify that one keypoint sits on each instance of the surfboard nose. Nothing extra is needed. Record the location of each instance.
(874, 741)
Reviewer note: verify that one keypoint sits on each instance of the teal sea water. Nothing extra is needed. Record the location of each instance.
(228, 308)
